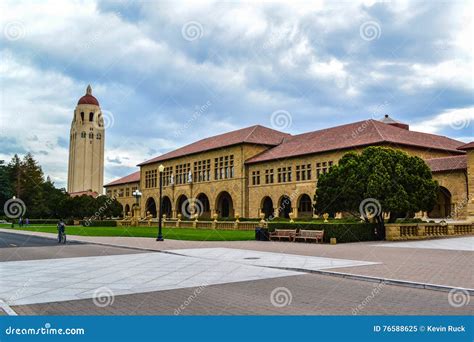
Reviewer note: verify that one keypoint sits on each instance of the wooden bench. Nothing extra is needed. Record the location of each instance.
(316, 235)
(287, 234)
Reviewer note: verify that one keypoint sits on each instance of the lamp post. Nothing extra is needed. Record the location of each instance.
(137, 194)
(161, 168)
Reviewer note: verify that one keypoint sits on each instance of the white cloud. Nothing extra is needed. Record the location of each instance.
(456, 119)
(252, 59)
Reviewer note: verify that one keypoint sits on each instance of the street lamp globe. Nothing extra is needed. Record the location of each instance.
(161, 168)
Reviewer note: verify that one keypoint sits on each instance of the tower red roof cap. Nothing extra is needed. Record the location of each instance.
(88, 98)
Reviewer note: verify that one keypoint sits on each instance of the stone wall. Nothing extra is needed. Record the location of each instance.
(247, 198)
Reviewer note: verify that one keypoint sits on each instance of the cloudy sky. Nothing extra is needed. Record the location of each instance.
(169, 73)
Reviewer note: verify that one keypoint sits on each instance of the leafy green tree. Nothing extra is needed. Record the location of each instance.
(377, 181)
(24, 178)
(6, 191)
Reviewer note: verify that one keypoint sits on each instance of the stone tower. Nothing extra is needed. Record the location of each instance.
(86, 147)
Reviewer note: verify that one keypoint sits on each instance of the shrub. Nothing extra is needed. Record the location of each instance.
(96, 223)
(343, 232)
(409, 220)
(41, 221)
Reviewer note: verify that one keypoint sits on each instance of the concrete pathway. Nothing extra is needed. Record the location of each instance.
(447, 267)
(454, 244)
(102, 277)
(267, 259)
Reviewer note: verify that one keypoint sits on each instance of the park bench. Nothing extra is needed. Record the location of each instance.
(304, 234)
(287, 234)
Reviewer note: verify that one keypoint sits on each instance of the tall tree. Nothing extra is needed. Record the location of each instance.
(5, 184)
(377, 181)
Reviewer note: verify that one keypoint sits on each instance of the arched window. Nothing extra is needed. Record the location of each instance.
(82, 116)
(91, 135)
(91, 116)
(99, 136)
(83, 134)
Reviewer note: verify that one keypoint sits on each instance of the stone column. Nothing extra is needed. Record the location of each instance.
(470, 183)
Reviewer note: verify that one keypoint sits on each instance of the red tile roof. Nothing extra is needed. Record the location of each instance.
(362, 133)
(88, 99)
(468, 146)
(131, 178)
(447, 163)
(86, 192)
(254, 135)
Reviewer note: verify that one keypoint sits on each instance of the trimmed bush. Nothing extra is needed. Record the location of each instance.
(343, 232)
(40, 221)
(409, 220)
(103, 223)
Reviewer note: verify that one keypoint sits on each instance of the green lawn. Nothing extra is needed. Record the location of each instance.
(168, 233)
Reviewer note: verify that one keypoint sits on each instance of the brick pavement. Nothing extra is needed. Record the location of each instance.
(434, 266)
(310, 295)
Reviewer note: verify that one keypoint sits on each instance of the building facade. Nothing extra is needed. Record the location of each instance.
(86, 147)
(260, 170)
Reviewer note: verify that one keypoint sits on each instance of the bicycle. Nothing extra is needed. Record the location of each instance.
(62, 237)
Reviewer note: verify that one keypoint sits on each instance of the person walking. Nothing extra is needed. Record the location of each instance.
(61, 231)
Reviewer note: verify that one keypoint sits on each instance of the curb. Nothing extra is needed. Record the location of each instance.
(387, 281)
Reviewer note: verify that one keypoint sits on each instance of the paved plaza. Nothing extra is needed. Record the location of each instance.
(454, 244)
(123, 276)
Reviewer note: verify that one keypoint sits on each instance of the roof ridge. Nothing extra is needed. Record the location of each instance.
(372, 121)
(253, 130)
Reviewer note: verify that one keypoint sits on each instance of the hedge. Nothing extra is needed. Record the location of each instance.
(96, 223)
(343, 232)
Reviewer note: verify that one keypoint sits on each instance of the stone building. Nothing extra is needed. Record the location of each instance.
(86, 148)
(260, 170)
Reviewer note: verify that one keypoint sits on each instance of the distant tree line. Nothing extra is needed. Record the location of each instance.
(37, 197)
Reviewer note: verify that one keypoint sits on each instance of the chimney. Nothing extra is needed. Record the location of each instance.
(389, 121)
